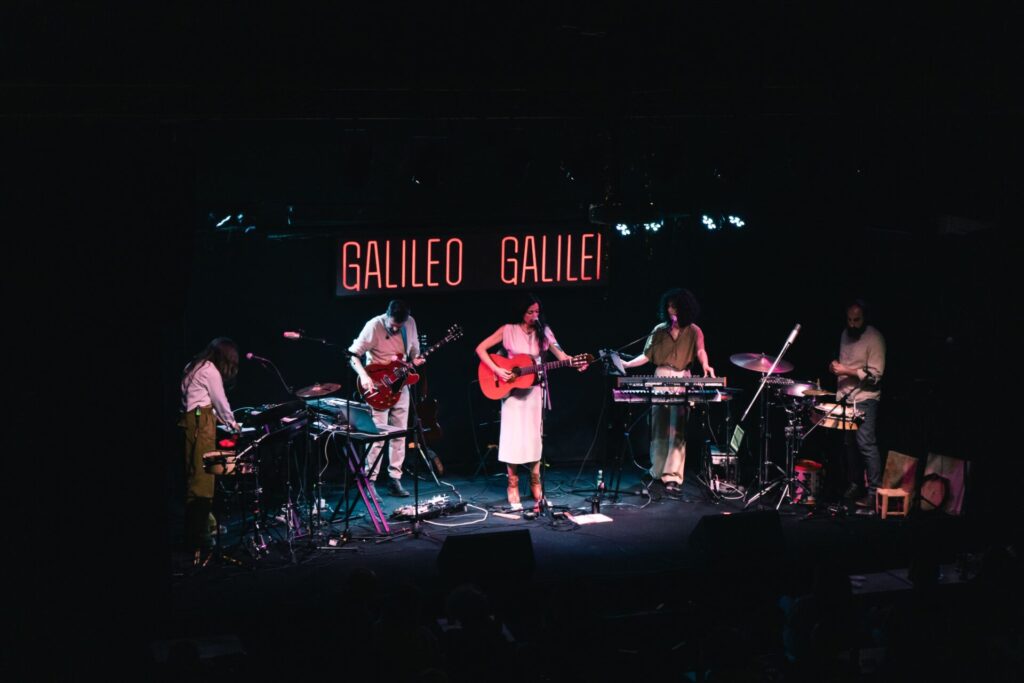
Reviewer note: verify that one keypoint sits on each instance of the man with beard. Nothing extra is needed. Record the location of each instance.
(859, 372)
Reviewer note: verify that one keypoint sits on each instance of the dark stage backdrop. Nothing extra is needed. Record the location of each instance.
(934, 299)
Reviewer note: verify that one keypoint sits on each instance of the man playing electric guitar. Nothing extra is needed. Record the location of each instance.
(386, 338)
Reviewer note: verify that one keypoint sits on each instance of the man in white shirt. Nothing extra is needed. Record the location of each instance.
(859, 371)
(385, 338)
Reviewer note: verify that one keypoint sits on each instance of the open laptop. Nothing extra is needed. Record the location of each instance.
(343, 411)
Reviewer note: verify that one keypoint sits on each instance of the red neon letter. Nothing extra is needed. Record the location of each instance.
(372, 259)
(544, 259)
(529, 258)
(412, 278)
(346, 266)
(599, 256)
(431, 262)
(584, 256)
(505, 260)
(448, 262)
(387, 266)
(558, 261)
(568, 260)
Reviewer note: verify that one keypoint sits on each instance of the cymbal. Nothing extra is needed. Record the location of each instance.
(818, 392)
(758, 362)
(317, 390)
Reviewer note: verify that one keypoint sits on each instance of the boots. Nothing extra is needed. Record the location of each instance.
(513, 491)
(198, 516)
(535, 488)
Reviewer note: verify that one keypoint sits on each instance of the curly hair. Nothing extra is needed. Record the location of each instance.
(687, 308)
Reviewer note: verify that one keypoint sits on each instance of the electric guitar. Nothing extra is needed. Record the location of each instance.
(524, 372)
(389, 378)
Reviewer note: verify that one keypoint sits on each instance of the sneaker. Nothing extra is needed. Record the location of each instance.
(865, 502)
(395, 488)
(673, 488)
(515, 507)
(865, 512)
(853, 492)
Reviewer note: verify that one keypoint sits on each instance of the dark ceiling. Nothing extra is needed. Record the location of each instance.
(518, 111)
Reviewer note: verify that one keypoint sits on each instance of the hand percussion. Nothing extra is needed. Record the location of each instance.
(225, 463)
(836, 416)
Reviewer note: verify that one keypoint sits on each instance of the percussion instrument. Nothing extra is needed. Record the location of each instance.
(810, 474)
(758, 362)
(226, 463)
(836, 416)
(317, 390)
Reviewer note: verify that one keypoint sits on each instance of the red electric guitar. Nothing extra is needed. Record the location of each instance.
(524, 372)
(389, 378)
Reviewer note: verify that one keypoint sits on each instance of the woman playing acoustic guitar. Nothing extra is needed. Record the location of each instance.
(520, 440)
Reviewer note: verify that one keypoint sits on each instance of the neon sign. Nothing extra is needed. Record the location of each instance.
(504, 260)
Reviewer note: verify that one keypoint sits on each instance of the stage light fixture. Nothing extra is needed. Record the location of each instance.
(708, 222)
(223, 221)
(737, 221)
(654, 226)
(623, 229)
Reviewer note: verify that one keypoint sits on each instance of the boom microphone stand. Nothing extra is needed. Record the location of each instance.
(763, 474)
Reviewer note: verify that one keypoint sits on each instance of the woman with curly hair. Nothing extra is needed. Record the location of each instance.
(673, 346)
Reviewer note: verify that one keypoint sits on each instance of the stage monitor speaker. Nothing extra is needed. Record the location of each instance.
(752, 536)
(479, 558)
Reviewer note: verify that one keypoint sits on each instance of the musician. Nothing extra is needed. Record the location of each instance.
(673, 345)
(521, 411)
(204, 403)
(385, 338)
(859, 370)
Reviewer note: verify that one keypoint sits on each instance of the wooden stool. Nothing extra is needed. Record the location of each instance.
(882, 497)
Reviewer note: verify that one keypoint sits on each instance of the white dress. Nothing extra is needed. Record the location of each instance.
(520, 440)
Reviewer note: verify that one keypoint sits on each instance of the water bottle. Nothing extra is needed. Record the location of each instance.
(595, 506)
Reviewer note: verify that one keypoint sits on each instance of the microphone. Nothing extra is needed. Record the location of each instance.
(792, 335)
(253, 356)
(292, 335)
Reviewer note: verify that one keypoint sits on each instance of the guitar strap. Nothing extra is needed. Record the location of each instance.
(405, 343)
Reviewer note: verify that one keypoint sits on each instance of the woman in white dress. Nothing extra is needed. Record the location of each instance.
(521, 419)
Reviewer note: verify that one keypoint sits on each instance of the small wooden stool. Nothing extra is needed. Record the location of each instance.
(882, 498)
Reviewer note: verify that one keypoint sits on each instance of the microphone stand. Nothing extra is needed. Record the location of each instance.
(314, 501)
(762, 475)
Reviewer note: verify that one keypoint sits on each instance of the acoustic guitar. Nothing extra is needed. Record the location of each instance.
(524, 372)
(389, 378)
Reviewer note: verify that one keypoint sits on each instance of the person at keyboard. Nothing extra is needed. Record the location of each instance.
(204, 401)
(673, 346)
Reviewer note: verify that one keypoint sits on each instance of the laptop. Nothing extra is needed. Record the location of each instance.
(343, 411)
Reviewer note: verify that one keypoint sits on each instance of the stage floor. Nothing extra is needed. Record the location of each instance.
(645, 538)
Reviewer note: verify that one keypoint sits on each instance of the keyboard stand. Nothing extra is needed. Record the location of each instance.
(355, 466)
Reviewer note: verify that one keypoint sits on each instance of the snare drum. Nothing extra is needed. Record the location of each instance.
(835, 416)
(225, 463)
(810, 474)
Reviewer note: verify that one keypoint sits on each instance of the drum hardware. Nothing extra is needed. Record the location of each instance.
(794, 489)
(759, 363)
(317, 390)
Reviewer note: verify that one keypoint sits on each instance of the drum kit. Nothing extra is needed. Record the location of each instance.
(806, 407)
(237, 462)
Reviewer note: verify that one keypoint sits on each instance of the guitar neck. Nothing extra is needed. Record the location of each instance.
(544, 367)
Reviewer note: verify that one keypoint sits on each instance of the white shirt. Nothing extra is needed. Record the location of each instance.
(867, 355)
(378, 345)
(203, 387)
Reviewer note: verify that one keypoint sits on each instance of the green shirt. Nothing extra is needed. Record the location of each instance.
(676, 353)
